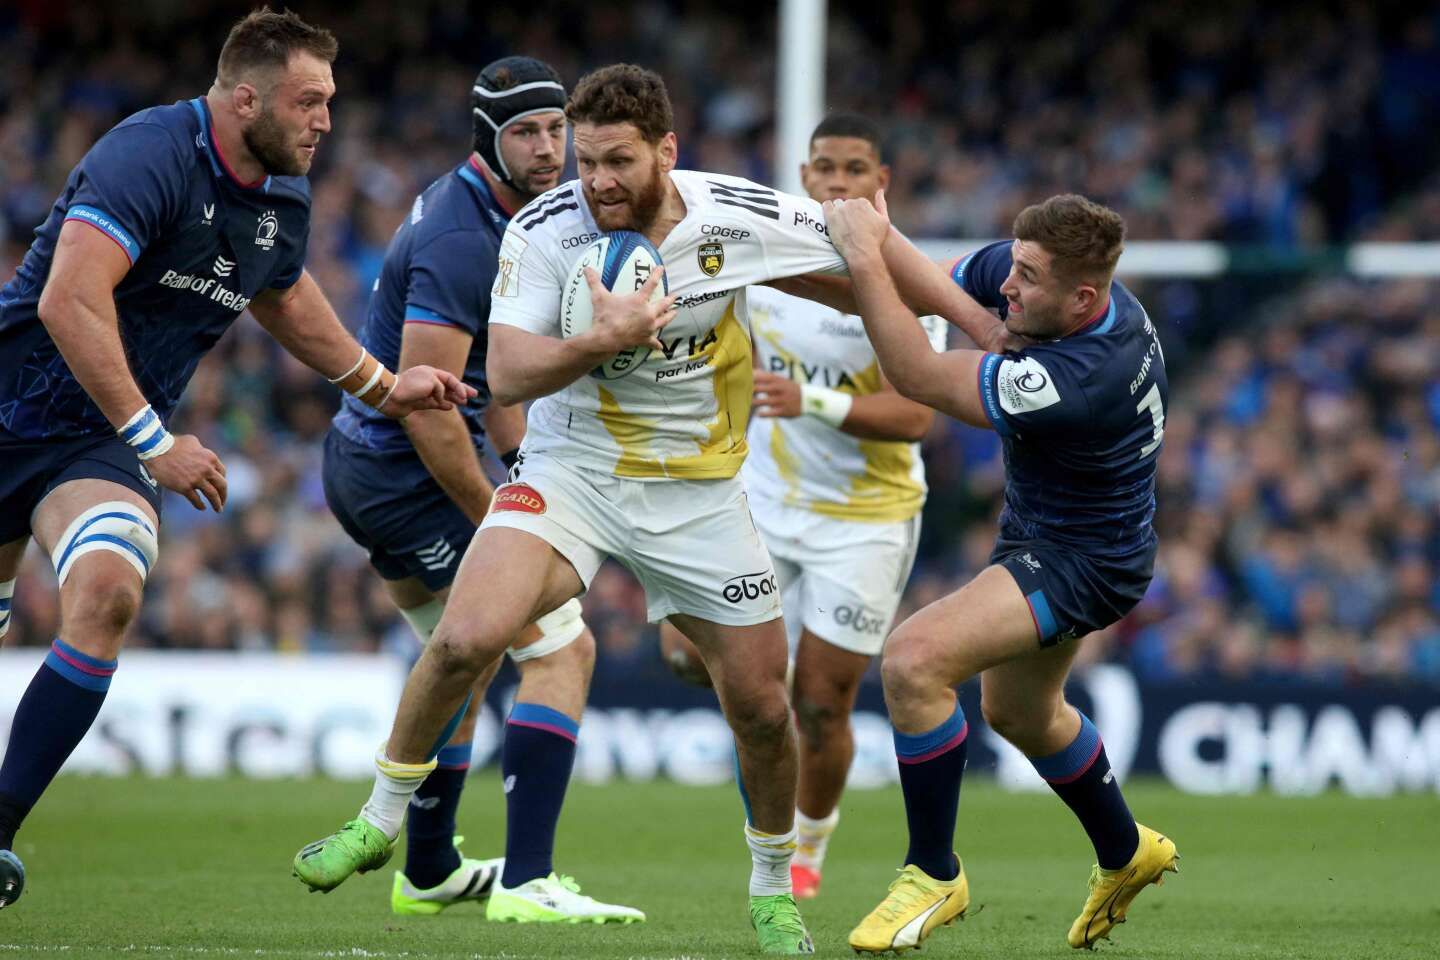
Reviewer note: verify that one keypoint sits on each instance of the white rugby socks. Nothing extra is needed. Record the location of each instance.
(395, 784)
(813, 837)
(770, 856)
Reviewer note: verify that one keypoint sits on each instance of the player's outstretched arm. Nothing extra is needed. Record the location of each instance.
(924, 286)
(927, 287)
(946, 382)
(441, 437)
(883, 415)
(886, 415)
(825, 289)
(303, 322)
(520, 365)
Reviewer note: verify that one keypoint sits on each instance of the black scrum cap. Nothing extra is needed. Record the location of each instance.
(505, 91)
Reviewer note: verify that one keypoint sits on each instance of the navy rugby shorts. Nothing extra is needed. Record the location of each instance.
(1071, 593)
(388, 502)
(30, 469)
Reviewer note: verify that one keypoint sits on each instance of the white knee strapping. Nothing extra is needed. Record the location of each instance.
(117, 526)
(424, 618)
(7, 592)
(558, 629)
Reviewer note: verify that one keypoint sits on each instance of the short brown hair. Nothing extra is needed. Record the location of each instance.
(1083, 238)
(623, 93)
(265, 39)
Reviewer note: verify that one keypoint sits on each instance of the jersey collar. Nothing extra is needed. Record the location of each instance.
(206, 141)
(469, 171)
(1102, 322)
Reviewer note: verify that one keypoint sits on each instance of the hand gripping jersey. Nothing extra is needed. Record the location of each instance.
(802, 462)
(201, 244)
(682, 414)
(1081, 418)
(438, 270)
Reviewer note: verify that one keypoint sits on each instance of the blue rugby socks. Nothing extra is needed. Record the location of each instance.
(931, 767)
(1081, 776)
(430, 854)
(536, 763)
(53, 716)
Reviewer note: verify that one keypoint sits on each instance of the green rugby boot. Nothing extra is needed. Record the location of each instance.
(358, 846)
(777, 924)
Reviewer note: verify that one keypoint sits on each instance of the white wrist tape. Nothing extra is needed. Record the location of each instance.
(146, 434)
(368, 381)
(355, 369)
(826, 405)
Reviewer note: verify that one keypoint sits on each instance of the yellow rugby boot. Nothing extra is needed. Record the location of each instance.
(1112, 890)
(916, 904)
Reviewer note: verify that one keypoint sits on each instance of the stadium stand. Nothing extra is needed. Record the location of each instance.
(1300, 497)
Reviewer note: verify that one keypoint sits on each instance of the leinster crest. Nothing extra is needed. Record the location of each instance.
(712, 258)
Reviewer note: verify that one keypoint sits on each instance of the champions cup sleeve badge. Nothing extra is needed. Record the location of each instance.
(266, 229)
(712, 257)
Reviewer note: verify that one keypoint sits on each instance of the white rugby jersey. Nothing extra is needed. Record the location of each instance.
(682, 413)
(804, 462)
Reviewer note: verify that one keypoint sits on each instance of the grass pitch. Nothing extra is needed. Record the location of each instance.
(173, 868)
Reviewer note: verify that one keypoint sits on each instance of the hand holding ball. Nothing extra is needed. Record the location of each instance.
(617, 294)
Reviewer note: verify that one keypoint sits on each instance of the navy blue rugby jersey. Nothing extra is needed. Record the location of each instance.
(1081, 419)
(201, 245)
(438, 269)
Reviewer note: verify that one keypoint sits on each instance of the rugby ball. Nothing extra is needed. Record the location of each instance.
(624, 260)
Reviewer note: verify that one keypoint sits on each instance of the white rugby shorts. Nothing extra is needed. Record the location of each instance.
(691, 543)
(840, 579)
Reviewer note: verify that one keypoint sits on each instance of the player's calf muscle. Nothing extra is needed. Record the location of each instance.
(1038, 728)
(560, 680)
(818, 722)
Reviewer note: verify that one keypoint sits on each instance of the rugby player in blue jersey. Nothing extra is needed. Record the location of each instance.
(1080, 407)
(412, 494)
(175, 222)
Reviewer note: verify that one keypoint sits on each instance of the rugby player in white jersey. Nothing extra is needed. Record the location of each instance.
(836, 485)
(641, 468)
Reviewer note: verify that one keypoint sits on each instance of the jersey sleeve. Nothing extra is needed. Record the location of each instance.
(982, 273)
(450, 280)
(130, 185)
(526, 292)
(799, 242)
(289, 274)
(1037, 392)
(793, 237)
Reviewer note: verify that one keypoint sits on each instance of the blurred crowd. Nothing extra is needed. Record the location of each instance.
(1300, 478)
